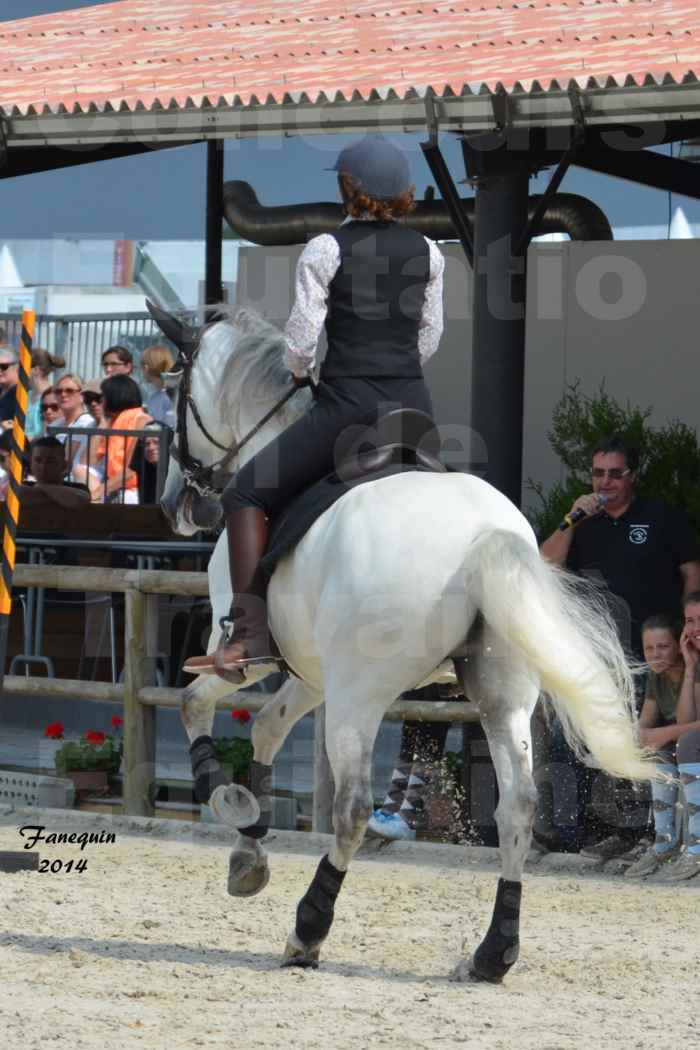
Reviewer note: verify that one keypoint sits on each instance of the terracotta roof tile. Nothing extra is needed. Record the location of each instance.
(169, 51)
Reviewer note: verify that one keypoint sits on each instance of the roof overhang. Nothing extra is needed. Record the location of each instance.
(651, 107)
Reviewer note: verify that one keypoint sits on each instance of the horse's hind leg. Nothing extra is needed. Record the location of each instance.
(506, 695)
(351, 730)
(249, 811)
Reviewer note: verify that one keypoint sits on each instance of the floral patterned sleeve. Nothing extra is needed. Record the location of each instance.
(316, 269)
(430, 328)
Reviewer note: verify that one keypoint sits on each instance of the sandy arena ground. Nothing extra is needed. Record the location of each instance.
(146, 949)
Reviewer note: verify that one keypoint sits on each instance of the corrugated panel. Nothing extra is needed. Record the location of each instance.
(141, 53)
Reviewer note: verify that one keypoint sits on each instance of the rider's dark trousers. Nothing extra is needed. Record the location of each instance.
(305, 452)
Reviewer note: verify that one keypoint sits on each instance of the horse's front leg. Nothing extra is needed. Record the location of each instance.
(507, 698)
(249, 810)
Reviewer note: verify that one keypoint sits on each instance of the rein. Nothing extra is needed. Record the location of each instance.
(207, 481)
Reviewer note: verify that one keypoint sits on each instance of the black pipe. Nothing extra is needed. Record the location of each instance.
(567, 213)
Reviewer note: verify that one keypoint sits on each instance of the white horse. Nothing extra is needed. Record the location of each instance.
(392, 579)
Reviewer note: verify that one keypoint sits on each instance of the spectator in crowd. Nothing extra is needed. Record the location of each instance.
(5, 453)
(69, 393)
(155, 361)
(9, 378)
(673, 667)
(92, 399)
(155, 444)
(48, 467)
(422, 747)
(644, 551)
(49, 409)
(117, 361)
(122, 407)
(43, 364)
(647, 556)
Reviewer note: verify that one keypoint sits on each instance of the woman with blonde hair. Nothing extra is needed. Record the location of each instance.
(155, 361)
(69, 393)
(43, 364)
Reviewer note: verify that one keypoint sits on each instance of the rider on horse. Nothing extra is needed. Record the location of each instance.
(376, 284)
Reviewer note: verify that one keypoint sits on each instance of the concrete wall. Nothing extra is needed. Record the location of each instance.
(623, 312)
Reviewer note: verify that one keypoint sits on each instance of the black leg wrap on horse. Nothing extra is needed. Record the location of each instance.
(315, 910)
(261, 787)
(206, 770)
(499, 949)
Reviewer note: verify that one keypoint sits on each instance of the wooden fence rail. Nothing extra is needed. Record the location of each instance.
(140, 696)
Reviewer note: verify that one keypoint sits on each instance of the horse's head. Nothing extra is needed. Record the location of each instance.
(188, 502)
(233, 397)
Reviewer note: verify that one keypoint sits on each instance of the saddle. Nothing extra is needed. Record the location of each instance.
(402, 440)
(402, 436)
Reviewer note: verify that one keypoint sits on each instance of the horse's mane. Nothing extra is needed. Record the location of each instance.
(257, 363)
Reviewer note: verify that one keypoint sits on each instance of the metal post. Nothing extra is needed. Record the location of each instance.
(139, 720)
(498, 356)
(12, 504)
(213, 290)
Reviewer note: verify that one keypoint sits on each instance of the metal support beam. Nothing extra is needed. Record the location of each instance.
(498, 354)
(645, 168)
(28, 161)
(213, 286)
(445, 182)
(565, 163)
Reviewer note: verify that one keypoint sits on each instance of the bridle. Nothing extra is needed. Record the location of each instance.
(206, 481)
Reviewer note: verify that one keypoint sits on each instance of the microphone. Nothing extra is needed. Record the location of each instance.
(578, 515)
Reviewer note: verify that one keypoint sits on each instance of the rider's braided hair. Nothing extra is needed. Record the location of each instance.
(359, 204)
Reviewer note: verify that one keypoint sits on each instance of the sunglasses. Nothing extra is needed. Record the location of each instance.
(92, 399)
(615, 473)
(65, 390)
(50, 406)
(4, 365)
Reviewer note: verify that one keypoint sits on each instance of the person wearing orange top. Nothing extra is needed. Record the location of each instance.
(122, 408)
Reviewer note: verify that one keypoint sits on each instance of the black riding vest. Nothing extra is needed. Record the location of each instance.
(375, 301)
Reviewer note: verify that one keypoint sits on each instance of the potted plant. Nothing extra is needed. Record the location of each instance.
(89, 760)
(235, 753)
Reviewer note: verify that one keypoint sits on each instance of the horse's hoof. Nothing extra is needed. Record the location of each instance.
(297, 954)
(247, 875)
(235, 805)
(472, 971)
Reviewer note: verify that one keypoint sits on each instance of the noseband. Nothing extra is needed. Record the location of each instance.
(206, 481)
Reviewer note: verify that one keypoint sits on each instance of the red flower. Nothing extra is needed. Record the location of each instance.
(117, 722)
(54, 731)
(93, 736)
(241, 715)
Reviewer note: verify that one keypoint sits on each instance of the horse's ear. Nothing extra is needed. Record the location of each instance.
(183, 335)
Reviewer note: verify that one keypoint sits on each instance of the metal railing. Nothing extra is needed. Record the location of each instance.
(85, 458)
(81, 339)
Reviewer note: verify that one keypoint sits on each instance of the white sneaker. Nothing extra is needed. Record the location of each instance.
(390, 826)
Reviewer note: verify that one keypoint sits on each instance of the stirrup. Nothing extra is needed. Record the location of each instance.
(236, 675)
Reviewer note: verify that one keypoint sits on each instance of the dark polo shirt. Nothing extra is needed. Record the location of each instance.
(638, 556)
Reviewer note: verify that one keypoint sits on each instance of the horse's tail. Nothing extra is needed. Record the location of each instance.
(569, 641)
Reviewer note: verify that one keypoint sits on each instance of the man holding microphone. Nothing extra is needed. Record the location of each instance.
(645, 552)
(646, 556)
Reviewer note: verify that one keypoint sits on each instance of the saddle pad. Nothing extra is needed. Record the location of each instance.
(292, 524)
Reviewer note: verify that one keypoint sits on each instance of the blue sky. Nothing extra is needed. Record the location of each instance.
(162, 195)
